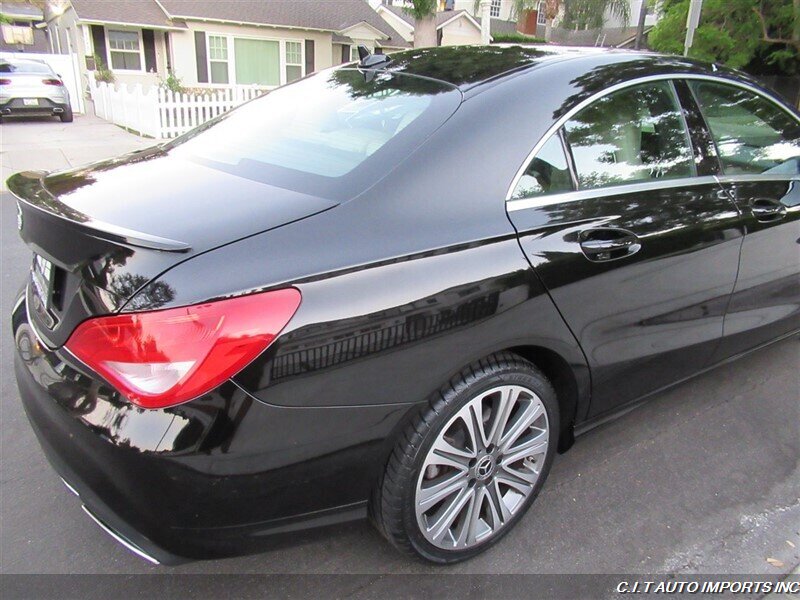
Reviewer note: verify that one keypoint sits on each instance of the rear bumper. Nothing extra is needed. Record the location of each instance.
(210, 478)
(46, 106)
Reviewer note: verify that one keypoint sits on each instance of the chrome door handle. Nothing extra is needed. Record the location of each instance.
(766, 210)
(603, 244)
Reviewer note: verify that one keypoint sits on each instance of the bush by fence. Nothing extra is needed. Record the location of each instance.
(161, 113)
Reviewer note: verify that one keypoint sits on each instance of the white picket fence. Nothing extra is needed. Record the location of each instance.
(161, 113)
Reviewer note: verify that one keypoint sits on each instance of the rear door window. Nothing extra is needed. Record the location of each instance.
(636, 134)
(547, 173)
(752, 134)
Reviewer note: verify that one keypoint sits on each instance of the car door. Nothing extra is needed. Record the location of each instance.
(622, 218)
(758, 143)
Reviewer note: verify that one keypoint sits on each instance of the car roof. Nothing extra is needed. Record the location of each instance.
(468, 67)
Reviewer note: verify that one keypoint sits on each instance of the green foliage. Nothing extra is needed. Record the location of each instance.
(590, 14)
(515, 38)
(173, 83)
(4, 18)
(419, 9)
(101, 71)
(730, 31)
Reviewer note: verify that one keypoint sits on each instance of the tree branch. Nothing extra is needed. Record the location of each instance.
(765, 32)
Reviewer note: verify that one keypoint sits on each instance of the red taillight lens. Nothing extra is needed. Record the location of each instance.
(52, 82)
(165, 357)
(5, 82)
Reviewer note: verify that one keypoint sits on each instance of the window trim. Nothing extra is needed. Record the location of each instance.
(541, 13)
(227, 60)
(232, 58)
(109, 50)
(496, 6)
(513, 204)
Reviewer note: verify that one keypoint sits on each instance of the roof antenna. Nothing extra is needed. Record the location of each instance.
(367, 60)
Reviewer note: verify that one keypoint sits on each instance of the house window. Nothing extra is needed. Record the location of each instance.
(494, 9)
(257, 62)
(124, 49)
(294, 61)
(541, 14)
(218, 58)
(354, 52)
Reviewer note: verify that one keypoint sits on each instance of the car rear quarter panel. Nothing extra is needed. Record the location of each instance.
(405, 284)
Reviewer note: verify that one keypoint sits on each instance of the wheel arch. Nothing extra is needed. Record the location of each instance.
(565, 383)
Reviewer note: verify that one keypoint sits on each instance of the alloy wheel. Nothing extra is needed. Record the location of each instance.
(481, 468)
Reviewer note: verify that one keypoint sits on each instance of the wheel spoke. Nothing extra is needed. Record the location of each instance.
(532, 411)
(536, 445)
(502, 410)
(517, 479)
(476, 414)
(500, 512)
(447, 454)
(448, 514)
(428, 496)
(466, 532)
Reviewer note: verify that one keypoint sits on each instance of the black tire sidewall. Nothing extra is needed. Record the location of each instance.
(509, 374)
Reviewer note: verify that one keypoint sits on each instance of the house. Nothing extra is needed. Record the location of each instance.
(454, 27)
(216, 43)
(19, 29)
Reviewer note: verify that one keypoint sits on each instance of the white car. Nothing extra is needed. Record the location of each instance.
(30, 87)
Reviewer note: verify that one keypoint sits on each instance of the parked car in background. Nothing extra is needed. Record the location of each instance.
(32, 88)
(398, 288)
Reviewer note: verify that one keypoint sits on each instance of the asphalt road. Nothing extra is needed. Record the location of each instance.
(704, 478)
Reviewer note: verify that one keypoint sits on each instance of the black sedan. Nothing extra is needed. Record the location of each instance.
(397, 289)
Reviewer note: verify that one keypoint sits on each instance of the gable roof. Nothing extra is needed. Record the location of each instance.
(124, 12)
(322, 15)
(442, 17)
(21, 11)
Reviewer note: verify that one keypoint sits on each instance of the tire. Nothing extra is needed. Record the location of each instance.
(66, 116)
(405, 505)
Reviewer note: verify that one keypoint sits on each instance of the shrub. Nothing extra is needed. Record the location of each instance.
(515, 38)
(173, 83)
(101, 71)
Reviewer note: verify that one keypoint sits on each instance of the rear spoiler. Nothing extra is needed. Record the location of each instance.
(28, 188)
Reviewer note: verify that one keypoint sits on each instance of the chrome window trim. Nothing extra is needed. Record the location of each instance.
(516, 203)
(625, 188)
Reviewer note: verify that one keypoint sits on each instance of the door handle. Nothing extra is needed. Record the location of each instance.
(604, 243)
(766, 210)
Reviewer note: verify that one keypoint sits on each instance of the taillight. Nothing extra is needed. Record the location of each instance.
(164, 357)
(52, 82)
(5, 82)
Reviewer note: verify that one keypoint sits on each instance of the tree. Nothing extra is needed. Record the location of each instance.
(424, 13)
(732, 32)
(590, 14)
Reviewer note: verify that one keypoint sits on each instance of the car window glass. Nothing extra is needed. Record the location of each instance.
(636, 134)
(753, 135)
(547, 173)
(27, 67)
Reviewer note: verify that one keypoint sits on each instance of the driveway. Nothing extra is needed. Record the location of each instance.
(47, 143)
(703, 478)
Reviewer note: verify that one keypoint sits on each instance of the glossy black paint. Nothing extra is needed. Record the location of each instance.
(417, 275)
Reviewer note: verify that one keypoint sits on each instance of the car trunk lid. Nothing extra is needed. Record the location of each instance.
(102, 232)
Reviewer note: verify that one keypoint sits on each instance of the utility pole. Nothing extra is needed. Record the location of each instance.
(640, 27)
(692, 21)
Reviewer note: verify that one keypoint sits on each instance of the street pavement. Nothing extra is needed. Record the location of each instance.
(703, 478)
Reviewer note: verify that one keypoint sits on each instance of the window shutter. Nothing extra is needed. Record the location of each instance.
(309, 56)
(201, 55)
(345, 53)
(99, 41)
(149, 39)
